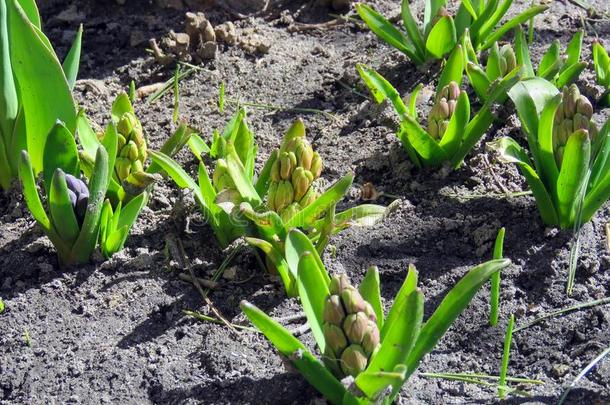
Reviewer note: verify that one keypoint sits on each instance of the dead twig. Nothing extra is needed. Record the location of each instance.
(204, 282)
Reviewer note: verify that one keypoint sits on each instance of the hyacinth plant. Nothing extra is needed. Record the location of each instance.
(35, 89)
(440, 32)
(601, 62)
(366, 357)
(212, 193)
(76, 207)
(287, 185)
(450, 132)
(569, 173)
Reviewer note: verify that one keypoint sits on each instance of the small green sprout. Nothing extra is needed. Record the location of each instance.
(35, 90)
(561, 70)
(569, 173)
(450, 132)
(440, 32)
(1, 305)
(366, 357)
(601, 61)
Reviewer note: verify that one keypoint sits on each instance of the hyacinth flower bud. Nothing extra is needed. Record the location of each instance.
(354, 360)
(284, 195)
(334, 313)
(573, 114)
(508, 60)
(442, 110)
(349, 328)
(79, 196)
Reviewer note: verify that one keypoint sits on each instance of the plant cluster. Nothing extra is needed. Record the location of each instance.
(92, 191)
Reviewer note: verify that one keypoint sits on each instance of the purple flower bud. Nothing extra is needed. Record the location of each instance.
(79, 196)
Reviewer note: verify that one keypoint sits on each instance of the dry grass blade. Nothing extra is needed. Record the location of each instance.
(583, 373)
(602, 301)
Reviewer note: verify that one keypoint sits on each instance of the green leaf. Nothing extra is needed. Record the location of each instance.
(120, 106)
(115, 242)
(106, 226)
(453, 70)
(306, 217)
(110, 142)
(371, 292)
(512, 23)
(87, 239)
(495, 279)
(479, 80)
(570, 75)
(262, 182)
(176, 142)
(130, 212)
(400, 301)
(59, 152)
(573, 50)
(72, 60)
(546, 157)
(86, 135)
(488, 8)
(180, 177)
(313, 371)
(43, 89)
(550, 63)
(442, 37)
(428, 149)
(361, 215)
(198, 146)
(601, 62)
(62, 213)
(412, 28)
(240, 178)
(297, 244)
(413, 100)
(280, 264)
(494, 19)
(431, 9)
(313, 292)
(572, 175)
(387, 32)
(374, 383)
(530, 96)
(450, 308)
(492, 69)
(456, 128)
(30, 192)
(510, 152)
(401, 334)
(484, 118)
(9, 102)
(522, 53)
(31, 10)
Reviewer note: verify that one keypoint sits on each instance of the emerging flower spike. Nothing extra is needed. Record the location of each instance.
(131, 146)
(507, 60)
(292, 176)
(350, 329)
(443, 110)
(79, 196)
(573, 114)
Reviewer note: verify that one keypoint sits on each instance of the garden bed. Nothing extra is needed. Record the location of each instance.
(115, 331)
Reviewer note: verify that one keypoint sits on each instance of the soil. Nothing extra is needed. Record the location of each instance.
(115, 331)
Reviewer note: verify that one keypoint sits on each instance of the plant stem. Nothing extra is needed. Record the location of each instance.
(506, 357)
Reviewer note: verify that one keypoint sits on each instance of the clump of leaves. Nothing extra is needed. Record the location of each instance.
(450, 132)
(601, 61)
(35, 90)
(569, 174)
(264, 208)
(286, 183)
(74, 205)
(367, 356)
(439, 32)
(212, 193)
(560, 69)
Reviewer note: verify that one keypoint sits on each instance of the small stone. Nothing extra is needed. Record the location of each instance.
(230, 273)
(226, 33)
(207, 51)
(559, 370)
